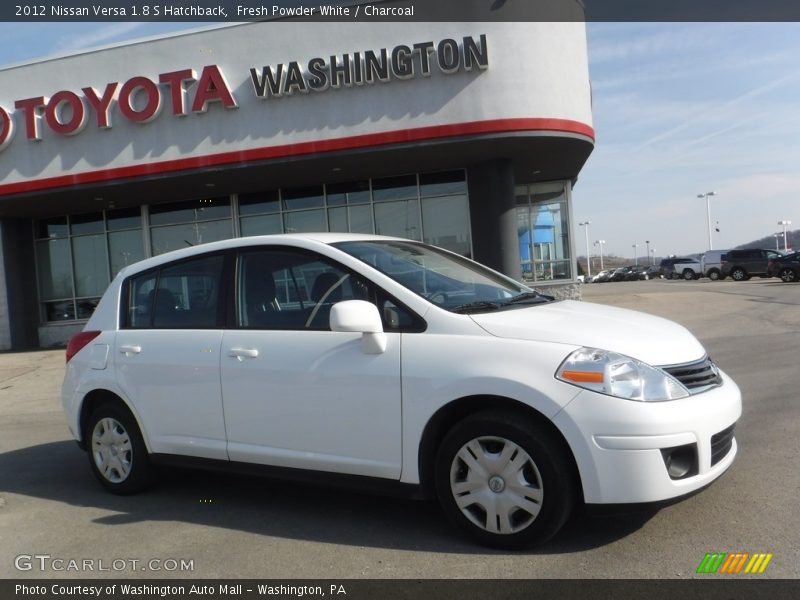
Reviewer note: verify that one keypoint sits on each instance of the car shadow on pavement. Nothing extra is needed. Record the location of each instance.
(59, 472)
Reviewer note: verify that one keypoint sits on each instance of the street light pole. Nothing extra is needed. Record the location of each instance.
(635, 255)
(586, 224)
(600, 244)
(785, 224)
(647, 243)
(708, 215)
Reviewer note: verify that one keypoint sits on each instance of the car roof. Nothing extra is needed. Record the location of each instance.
(294, 239)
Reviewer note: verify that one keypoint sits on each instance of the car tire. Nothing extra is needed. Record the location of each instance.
(713, 275)
(739, 274)
(117, 452)
(688, 275)
(788, 275)
(504, 480)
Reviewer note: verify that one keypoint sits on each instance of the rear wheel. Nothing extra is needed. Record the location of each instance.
(739, 274)
(713, 274)
(788, 275)
(504, 480)
(688, 274)
(117, 452)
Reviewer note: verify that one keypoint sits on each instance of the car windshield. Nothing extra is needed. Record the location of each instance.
(445, 279)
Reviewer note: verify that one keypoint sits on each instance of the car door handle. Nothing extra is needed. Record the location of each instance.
(127, 350)
(241, 353)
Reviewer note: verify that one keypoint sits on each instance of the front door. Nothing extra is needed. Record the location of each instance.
(296, 394)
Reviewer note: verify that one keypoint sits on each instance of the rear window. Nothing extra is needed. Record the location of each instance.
(178, 296)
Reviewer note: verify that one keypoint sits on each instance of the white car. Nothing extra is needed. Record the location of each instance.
(374, 359)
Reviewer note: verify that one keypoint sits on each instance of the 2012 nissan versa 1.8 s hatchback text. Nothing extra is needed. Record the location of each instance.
(386, 360)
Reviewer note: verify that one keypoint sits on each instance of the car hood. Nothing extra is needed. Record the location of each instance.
(652, 340)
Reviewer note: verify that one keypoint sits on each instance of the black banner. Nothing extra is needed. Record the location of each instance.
(400, 10)
(714, 588)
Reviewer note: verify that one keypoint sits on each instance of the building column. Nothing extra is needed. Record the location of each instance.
(19, 315)
(493, 215)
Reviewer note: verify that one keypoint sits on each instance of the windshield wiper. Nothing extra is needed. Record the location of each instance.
(475, 306)
(533, 297)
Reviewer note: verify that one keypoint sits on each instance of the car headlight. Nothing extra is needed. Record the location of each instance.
(618, 375)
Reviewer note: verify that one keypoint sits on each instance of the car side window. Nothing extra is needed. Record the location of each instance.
(179, 296)
(290, 289)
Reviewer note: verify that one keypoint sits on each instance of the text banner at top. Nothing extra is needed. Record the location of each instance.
(232, 11)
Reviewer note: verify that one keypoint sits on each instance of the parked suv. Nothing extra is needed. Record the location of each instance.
(374, 359)
(786, 267)
(712, 263)
(741, 265)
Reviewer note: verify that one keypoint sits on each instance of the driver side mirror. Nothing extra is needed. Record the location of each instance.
(360, 316)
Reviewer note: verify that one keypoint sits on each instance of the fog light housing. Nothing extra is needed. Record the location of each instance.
(680, 461)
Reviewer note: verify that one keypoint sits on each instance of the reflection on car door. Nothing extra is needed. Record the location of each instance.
(167, 356)
(296, 394)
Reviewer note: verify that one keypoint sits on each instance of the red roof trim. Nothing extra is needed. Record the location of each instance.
(299, 149)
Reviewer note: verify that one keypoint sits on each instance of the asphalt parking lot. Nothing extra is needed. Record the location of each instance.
(236, 527)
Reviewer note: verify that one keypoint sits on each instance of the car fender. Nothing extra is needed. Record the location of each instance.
(517, 370)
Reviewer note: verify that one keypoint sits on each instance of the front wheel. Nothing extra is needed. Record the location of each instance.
(788, 275)
(713, 275)
(117, 452)
(739, 274)
(688, 274)
(504, 480)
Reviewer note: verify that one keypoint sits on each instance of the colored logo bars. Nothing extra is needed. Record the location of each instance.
(734, 563)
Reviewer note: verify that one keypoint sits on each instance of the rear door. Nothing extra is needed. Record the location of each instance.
(167, 355)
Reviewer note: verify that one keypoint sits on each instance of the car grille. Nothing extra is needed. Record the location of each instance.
(721, 444)
(697, 376)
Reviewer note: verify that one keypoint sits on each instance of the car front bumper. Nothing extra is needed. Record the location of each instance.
(619, 445)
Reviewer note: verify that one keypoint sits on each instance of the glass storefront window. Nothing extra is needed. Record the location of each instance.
(399, 219)
(261, 225)
(91, 223)
(52, 228)
(441, 184)
(124, 248)
(360, 219)
(304, 221)
(124, 218)
(394, 188)
(339, 194)
(54, 263)
(183, 224)
(90, 261)
(259, 203)
(203, 209)
(543, 229)
(78, 255)
(174, 237)
(303, 198)
(445, 221)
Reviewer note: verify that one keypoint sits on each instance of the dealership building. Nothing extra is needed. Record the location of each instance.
(468, 136)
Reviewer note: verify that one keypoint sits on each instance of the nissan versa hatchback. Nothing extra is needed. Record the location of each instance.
(374, 359)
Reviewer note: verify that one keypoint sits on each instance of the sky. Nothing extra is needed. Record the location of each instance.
(679, 109)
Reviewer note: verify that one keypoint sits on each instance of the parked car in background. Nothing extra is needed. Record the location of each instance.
(678, 267)
(741, 265)
(361, 358)
(602, 276)
(711, 262)
(652, 272)
(626, 273)
(786, 267)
